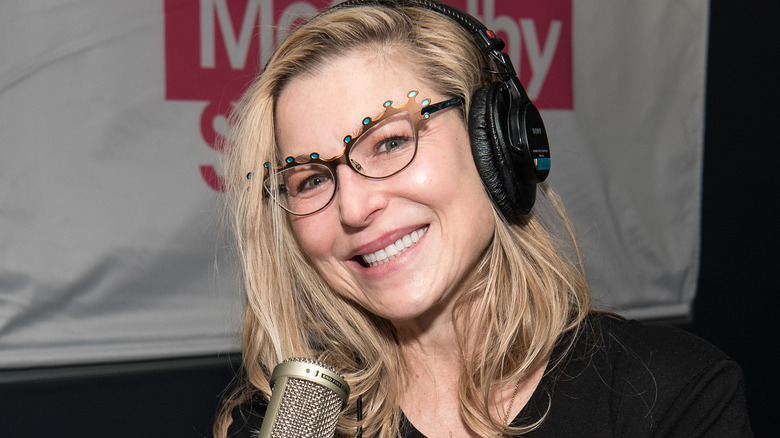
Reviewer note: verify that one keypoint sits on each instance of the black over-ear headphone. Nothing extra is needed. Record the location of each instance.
(508, 138)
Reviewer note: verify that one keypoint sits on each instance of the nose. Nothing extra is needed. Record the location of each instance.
(359, 199)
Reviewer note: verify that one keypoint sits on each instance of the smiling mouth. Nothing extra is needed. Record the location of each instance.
(395, 249)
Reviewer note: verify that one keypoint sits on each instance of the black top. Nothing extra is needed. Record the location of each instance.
(620, 379)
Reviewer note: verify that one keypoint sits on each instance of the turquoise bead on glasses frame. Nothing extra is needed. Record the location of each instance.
(417, 111)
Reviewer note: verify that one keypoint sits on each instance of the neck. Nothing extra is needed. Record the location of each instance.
(433, 366)
(430, 337)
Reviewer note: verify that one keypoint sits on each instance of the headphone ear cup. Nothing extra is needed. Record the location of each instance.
(488, 150)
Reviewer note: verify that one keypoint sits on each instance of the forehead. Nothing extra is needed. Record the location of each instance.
(315, 111)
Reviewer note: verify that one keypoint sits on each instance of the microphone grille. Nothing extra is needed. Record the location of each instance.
(321, 405)
(312, 398)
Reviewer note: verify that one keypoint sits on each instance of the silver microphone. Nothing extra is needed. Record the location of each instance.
(306, 399)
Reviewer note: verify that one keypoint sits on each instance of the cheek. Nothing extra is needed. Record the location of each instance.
(312, 236)
(449, 171)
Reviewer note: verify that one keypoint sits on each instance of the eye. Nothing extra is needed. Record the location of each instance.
(392, 144)
(308, 180)
(391, 136)
(312, 182)
(385, 148)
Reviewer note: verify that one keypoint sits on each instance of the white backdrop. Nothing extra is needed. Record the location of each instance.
(109, 201)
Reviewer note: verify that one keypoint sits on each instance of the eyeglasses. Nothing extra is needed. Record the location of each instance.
(386, 145)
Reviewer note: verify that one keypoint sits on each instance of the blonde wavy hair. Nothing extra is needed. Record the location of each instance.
(526, 291)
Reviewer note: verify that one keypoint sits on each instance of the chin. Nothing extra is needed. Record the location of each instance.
(404, 311)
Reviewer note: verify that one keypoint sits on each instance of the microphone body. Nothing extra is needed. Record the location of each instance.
(306, 399)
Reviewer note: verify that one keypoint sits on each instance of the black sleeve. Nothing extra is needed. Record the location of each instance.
(697, 391)
(711, 405)
(625, 379)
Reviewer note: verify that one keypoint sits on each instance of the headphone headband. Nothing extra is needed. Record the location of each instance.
(487, 41)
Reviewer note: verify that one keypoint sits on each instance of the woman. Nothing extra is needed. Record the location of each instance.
(393, 265)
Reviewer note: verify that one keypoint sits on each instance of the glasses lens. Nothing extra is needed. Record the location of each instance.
(385, 149)
(302, 189)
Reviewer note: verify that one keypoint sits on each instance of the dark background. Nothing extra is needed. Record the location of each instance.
(734, 307)
(736, 302)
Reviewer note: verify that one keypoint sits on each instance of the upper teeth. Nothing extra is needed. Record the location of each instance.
(394, 249)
